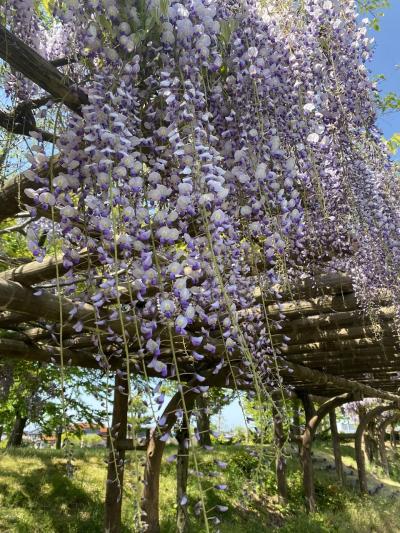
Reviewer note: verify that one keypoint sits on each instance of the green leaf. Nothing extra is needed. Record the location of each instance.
(394, 143)
(48, 6)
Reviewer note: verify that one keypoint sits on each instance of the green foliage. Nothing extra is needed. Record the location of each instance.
(138, 414)
(394, 143)
(86, 440)
(218, 398)
(35, 394)
(373, 8)
(390, 102)
(13, 244)
(242, 464)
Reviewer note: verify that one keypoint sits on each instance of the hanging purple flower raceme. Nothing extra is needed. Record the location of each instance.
(226, 149)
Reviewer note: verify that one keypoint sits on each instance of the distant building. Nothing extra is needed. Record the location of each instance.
(35, 437)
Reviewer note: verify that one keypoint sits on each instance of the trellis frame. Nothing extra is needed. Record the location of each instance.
(332, 340)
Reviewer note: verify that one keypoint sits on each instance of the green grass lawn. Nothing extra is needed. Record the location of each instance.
(36, 496)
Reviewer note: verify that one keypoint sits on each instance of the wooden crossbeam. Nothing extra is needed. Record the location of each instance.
(347, 345)
(24, 59)
(12, 196)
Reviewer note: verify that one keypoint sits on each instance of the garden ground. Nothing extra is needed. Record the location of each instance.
(36, 496)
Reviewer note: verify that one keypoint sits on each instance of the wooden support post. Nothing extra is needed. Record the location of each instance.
(336, 446)
(370, 443)
(155, 450)
(382, 447)
(116, 457)
(203, 421)
(280, 461)
(307, 440)
(182, 466)
(393, 438)
(365, 418)
(151, 496)
(305, 455)
(296, 424)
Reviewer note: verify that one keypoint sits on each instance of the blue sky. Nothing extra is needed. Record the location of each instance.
(386, 57)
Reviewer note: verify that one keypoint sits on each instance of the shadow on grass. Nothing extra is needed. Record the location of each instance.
(49, 496)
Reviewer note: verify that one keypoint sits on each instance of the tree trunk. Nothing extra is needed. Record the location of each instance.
(116, 457)
(6, 380)
(203, 421)
(17, 432)
(371, 446)
(336, 446)
(280, 463)
(182, 466)
(58, 438)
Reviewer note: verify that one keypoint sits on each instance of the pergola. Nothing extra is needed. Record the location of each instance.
(336, 351)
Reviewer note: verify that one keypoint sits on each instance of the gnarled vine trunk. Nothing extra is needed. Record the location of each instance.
(365, 419)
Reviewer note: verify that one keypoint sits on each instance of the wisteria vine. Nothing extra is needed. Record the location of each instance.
(227, 148)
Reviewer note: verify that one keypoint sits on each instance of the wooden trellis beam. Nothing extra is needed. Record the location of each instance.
(291, 371)
(378, 350)
(9, 319)
(48, 306)
(11, 294)
(24, 59)
(334, 320)
(317, 377)
(312, 335)
(385, 344)
(34, 272)
(12, 196)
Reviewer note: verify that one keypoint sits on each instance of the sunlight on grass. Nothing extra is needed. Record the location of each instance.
(37, 497)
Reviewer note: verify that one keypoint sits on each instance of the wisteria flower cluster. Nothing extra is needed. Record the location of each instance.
(225, 147)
